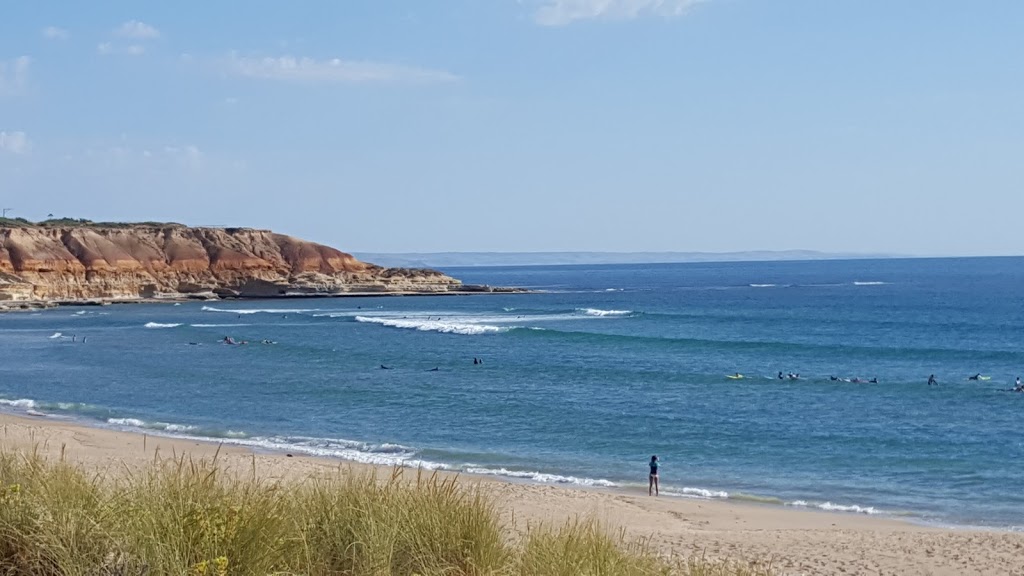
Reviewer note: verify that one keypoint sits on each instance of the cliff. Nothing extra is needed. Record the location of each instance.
(170, 261)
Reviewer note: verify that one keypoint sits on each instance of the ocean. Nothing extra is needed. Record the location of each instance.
(586, 377)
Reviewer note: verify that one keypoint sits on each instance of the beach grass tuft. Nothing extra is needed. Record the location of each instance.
(193, 518)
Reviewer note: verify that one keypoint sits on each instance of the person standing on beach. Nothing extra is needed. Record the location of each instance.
(652, 487)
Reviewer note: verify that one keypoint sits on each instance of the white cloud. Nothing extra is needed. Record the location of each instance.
(138, 30)
(15, 142)
(55, 33)
(563, 12)
(109, 48)
(14, 74)
(189, 156)
(124, 154)
(331, 71)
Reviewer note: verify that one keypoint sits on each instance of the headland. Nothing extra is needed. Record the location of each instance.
(81, 262)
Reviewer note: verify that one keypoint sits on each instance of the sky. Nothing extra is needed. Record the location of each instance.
(527, 125)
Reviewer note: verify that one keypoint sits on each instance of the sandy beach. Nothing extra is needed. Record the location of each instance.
(796, 542)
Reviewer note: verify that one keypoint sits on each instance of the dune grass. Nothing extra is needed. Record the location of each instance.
(192, 518)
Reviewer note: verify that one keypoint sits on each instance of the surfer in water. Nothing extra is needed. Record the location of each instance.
(780, 375)
(932, 380)
(383, 367)
(652, 480)
(975, 377)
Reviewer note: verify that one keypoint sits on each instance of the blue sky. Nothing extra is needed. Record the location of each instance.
(529, 125)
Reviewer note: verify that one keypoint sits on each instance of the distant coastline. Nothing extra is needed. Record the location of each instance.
(470, 259)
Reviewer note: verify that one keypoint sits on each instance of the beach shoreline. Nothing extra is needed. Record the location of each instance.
(794, 541)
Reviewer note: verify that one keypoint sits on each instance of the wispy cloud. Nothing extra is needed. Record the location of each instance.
(55, 33)
(15, 142)
(14, 74)
(331, 71)
(563, 12)
(166, 157)
(109, 48)
(137, 30)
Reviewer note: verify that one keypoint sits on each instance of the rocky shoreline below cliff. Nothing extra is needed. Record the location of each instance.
(45, 265)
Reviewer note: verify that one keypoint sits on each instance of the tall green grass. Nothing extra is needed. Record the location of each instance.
(182, 517)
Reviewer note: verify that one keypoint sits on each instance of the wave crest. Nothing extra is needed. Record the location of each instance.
(160, 325)
(600, 313)
(445, 327)
(541, 477)
(830, 507)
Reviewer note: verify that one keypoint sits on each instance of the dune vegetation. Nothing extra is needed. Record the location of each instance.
(193, 518)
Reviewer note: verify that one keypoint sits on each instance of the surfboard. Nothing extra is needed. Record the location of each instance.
(734, 376)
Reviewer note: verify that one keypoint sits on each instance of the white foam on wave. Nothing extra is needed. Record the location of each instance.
(260, 310)
(166, 427)
(379, 454)
(216, 325)
(870, 283)
(701, 493)
(601, 313)
(126, 422)
(443, 326)
(160, 325)
(541, 477)
(19, 403)
(830, 507)
(56, 335)
(763, 285)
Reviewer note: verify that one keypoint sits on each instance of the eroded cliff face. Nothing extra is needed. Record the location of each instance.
(142, 262)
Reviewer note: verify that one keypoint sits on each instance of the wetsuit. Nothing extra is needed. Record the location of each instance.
(654, 467)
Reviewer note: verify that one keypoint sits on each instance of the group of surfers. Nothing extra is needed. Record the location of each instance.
(932, 381)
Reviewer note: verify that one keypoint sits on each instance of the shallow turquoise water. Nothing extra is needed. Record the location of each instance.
(582, 382)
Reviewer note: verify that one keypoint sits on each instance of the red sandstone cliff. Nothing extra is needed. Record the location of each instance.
(172, 261)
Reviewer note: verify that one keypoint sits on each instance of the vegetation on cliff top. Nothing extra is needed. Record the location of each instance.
(81, 223)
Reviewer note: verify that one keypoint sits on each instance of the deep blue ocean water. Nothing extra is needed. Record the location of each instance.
(584, 379)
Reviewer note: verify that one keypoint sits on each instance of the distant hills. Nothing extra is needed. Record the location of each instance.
(455, 259)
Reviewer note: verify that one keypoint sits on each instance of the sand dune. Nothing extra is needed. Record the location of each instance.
(796, 542)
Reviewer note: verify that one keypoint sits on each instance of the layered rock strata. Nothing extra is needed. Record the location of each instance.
(142, 262)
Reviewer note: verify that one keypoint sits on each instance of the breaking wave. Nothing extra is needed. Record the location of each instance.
(540, 477)
(25, 403)
(830, 507)
(601, 313)
(174, 428)
(443, 326)
(159, 325)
